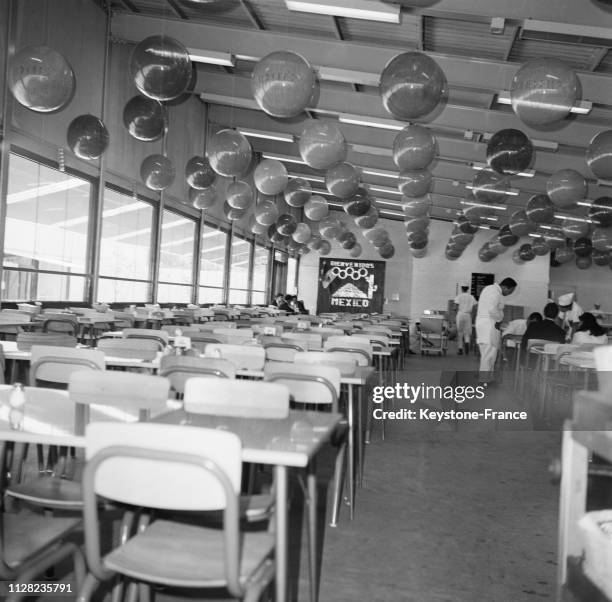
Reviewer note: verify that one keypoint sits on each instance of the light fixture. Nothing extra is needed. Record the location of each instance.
(582, 107)
(212, 57)
(528, 173)
(318, 179)
(584, 203)
(396, 213)
(285, 158)
(550, 28)
(387, 202)
(44, 190)
(384, 189)
(348, 76)
(572, 218)
(483, 205)
(509, 192)
(266, 135)
(384, 124)
(380, 172)
(371, 150)
(371, 10)
(541, 144)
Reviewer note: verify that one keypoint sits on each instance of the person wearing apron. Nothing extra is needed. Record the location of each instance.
(488, 317)
(464, 303)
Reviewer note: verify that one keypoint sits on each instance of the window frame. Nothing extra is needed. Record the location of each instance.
(204, 223)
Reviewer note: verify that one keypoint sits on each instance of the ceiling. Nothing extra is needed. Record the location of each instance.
(350, 54)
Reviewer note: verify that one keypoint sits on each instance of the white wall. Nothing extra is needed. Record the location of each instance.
(592, 286)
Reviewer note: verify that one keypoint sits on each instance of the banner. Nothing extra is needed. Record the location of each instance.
(350, 285)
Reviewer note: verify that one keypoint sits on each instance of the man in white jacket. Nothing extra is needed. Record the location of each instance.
(488, 318)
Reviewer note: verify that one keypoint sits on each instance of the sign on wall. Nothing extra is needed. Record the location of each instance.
(479, 281)
(350, 285)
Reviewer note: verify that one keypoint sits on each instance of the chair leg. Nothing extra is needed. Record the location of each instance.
(338, 483)
(312, 532)
(89, 587)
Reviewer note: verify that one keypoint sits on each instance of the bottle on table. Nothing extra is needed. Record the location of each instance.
(17, 401)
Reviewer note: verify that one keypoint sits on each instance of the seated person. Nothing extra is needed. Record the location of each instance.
(298, 305)
(281, 303)
(546, 329)
(589, 332)
(517, 327)
(289, 306)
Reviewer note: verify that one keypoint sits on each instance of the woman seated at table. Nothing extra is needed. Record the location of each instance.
(589, 332)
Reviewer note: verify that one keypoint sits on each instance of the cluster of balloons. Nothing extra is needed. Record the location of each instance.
(379, 238)
(416, 222)
(461, 236)
(509, 152)
(414, 148)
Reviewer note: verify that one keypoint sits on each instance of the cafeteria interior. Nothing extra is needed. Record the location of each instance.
(306, 301)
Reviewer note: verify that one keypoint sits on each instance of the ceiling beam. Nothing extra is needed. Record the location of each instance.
(460, 71)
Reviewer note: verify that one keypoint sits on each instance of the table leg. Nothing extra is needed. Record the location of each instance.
(312, 531)
(359, 431)
(282, 530)
(351, 454)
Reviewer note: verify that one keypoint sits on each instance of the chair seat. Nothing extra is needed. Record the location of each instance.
(192, 556)
(25, 535)
(51, 492)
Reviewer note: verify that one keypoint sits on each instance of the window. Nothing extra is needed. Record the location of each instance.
(125, 248)
(261, 259)
(46, 237)
(212, 264)
(176, 258)
(291, 276)
(239, 271)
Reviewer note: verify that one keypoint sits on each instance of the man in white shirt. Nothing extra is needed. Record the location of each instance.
(569, 314)
(488, 318)
(464, 303)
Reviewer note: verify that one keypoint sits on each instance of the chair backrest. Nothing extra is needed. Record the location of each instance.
(11, 315)
(248, 357)
(533, 342)
(345, 362)
(313, 340)
(210, 326)
(235, 336)
(378, 341)
(329, 332)
(245, 398)
(308, 383)
(179, 368)
(55, 364)
(25, 340)
(361, 349)
(61, 325)
(378, 330)
(147, 333)
(283, 351)
(124, 319)
(141, 349)
(273, 329)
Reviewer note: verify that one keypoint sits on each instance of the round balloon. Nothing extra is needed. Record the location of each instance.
(297, 192)
(516, 257)
(145, 118)
(161, 67)
(316, 208)
(417, 245)
(464, 225)
(239, 195)
(564, 254)
(575, 230)
(303, 250)
(554, 237)
(387, 251)
(520, 224)
(157, 172)
(452, 255)
(283, 84)
(417, 223)
(490, 187)
(87, 137)
(584, 263)
(583, 247)
(356, 250)
(460, 238)
(302, 233)
(599, 155)
(543, 91)
(324, 247)
(601, 257)
(526, 252)
(275, 236)
(255, 227)
(266, 212)
(496, 247)
(329, 226)
(411, 85)
(368, 220)
(342, 180)
(414, 147)
(540, 247)
(322, 144)
(376, 236)
(41, 79)
(540, 209)
(229, 153)
(231, 213)
(414, 182)
(203, 199)
(270, 177)
(419, 253)
(565, 187)
(485, 254)
(347, 240)
(286, 224)
(601, 211)
(198, 172)
(416, 207)
(359, 204)
(474, 215)
(506, 237)
(509, 152)
(417, 235)
(315, 242)
(602, 239)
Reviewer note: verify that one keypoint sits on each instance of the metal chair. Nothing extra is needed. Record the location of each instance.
(143, 349)
(282, 350)
(179, 368)
(147, 333)
(244, 357)
(61, 324)
(25, 340)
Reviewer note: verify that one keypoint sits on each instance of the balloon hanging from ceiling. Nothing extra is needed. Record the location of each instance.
(316, 208)
(554, 237)
(485, 254)
(324, 247)
(460, 238)
(414, 147)
(417, 207)
(161, 67)
(584, 262)
(540, 209)
(476, 216)
(602, 239)
(87, 137)
(157, 172)
(464, 225)
(203, 199)
(302, 233)
(496, 246)
(526, 252)
(41, 79)
(255, 227)
(329, 226)
(543, 91)
(347, 240)
(367, 220)
(387, 251)
(506, 237)
(490, 187)
(565, 187)
(283, 84)
(601, 212)
(377, 236)
(417, 236)
(414, 182)
(286, 224)
(509, 152)
(239, 195)
(198, 173)
(520, 224)
(266, 212)
(599, 155)
(297, 192)
(412, 85)
(564, 254)
(583, 247)
(417, 224)
(540, 247)
(359, 204)
(419, 253)
(342, 180)
(229, 153)
(601, 258)
(270, 177)
(575, 230)
(322, 144)
(516, 257)
(145, 118)
(356, 250)
(275, 236)
(232, 213)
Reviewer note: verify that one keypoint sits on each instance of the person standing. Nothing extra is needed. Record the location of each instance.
(464, 303)
(488, 319)
(569, 314)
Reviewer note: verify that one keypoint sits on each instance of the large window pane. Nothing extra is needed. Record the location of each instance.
(173, 293)
(47, 225)
(125, 248)
(258, 298)
(240, 257)
(261, 259)
(212, 264)
(176, 256)
(237, 297)
(291, 275)
(210, 295)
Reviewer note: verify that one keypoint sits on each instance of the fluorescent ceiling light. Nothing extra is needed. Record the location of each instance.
(212, 57)
(387, 202)
(324, 193)
(371, 150)
(318, 179)
(44, 190)
(542, 144)
(396, 213)
(380, 172)
(384, 124)
(604, 182)
(584, 203)
(582, 107)
(484, 205)
(566, 29)
(266, 135)
(528, 173)
(285, 158)
(348, 76)
(571, 218)
(384, 189)
(509, 192)
(370, 10)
